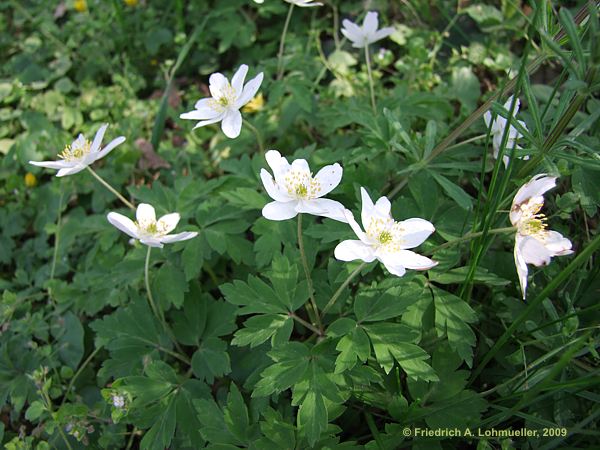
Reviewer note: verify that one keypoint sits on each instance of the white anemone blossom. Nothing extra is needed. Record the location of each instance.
(304, 3)
(80, 154)
(498, 126)
(368, 33)
(295, 190)
(147, 229)
(385, 239)
(226, 101)
(534, 243)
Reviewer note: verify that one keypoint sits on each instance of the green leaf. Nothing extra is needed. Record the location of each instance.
(193, 257)
(353, 346)
(373, 306)
(70, 342)
(170, 284)
(312, 416)
(236, 414)
(35, 410)
(259, 328)
(211, 360)
(454, 191)
(452, 317)
(291, 363)
(392, 341)
(159, 436)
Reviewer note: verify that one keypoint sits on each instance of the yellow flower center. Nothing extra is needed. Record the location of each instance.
(532, 223)
(151, 228)
(226, 100)
(301, 185)
(386, 233)
(76, 151)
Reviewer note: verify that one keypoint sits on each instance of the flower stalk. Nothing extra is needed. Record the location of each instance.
(370, 74)
(313, 310)
(110, 188)
(337, 293)
(282, 42)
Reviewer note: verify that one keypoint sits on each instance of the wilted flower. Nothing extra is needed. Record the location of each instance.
(534, 243)
(385, 239)
(303, 3)
(147, 229)
(498, 126)
(80, 154)
(295, 190)
(226, 101)
(368, 33)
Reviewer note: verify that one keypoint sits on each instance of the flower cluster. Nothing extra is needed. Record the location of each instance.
(294, 190)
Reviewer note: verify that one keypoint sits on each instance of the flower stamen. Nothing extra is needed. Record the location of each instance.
(76, 151)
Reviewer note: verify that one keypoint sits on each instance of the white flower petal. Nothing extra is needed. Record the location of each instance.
(250, 90)
(533, 251)
(237, 81)
(368, 208)
(557, 244)
(168, 222)
(145, 213)
(353, 32)
(98, 138)
(356, 227)
(351, 250)
(329, 177)
(278, 164)
(487, 118)
(273, 189)
(203, 123)
(232, 123)
(280, 210)
(125, 224)
(323, 207)
(205, 112)
(183, 236)
(71, 170)
(152, 242)
(415, 231)
(381, 34)
(521, 265)
(409, 260)
(217, 85)
(370, 23)
(53, 164)
(111, 145)
(509, 102)
(535, 187)
(392, 264)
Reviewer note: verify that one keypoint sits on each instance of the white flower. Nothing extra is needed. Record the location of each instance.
(226, 101)
(303, 3)
(385, 239)
(80, 154)
(498, 126)
(368, 33)
(147, 229)
(118, 401)
(534, 244)
(295, 190)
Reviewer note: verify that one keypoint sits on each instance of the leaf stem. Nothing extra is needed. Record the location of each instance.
(371, 88)
(74, 378)
(317, 331)
(282, 42)
(313, 302)
(470, 236)
(57, 234)
(342, 287)
(258, 136)
(110, 188)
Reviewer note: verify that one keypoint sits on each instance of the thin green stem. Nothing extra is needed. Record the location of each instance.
(110, 188)
(83, 366)
(155, 310)
(258, 136)
(282, 42)
(313, 302)
(57, 234)
(470, 236)
(300, 320)
(342, 287)
(371, 88)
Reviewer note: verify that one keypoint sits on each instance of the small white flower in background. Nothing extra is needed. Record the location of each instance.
(295, 190)
(368, 33)
(534, 244)
(226, 101)
(385, 239)
(147, 229)
(303, 3)
(498, 126)
(80, 154)
(118, 401)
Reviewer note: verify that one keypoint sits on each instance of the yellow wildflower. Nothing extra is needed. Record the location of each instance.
(30, 180)
(131, 3)
(254, 105)
(80, 5)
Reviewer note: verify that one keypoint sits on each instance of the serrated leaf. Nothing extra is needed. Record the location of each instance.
(170, 285)
(211, 360)
(354, 346)
(291, 363)
(236, 414)
(373, 306)
(259, 328)
(312, 416)
(454, 191)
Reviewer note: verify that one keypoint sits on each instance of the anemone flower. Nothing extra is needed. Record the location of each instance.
(498, 125)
